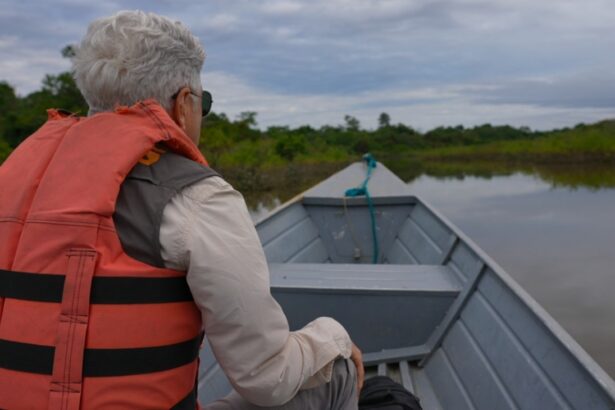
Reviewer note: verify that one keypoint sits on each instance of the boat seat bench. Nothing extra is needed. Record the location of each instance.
(390, 310)
(364, 277)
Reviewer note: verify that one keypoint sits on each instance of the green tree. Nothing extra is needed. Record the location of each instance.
(64, 93)
(5, 150)
(248, 118)
(362, 145)
(8, 113)
(245, 127)
(289, 146)
(352, 123)
(69, 51)
(384, 120)
(215, 142)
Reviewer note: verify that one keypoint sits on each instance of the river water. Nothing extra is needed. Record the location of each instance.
(553, 232)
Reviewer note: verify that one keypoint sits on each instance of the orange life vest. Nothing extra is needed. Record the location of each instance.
(82, 324)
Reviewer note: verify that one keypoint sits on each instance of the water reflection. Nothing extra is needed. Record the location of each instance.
(551, 227)
(593, 176)
(262, 187)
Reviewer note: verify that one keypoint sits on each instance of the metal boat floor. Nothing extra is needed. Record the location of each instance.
(411, 377)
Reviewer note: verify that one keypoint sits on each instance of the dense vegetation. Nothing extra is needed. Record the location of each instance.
(252, 157)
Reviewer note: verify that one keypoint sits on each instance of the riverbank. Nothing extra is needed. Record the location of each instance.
(582, 144)
(285, 161)
(580, 156)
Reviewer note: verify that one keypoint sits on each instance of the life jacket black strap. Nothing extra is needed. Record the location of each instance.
(105, 290)
(32, 358)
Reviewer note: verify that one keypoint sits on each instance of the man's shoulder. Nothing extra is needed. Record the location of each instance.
(144, 196)
(165, 168)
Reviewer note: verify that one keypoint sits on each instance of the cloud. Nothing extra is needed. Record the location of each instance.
(585, 89)
(347, 46)
(282, 8)
(28, 66)
(222, 22)
(422, 108)
(427, 62)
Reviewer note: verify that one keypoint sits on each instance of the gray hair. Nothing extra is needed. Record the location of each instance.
(133, 56)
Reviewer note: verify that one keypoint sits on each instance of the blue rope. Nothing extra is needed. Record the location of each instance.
(363, 191)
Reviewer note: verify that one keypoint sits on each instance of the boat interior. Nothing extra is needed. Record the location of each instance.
(325, 268)
(433, 313)
(320, 256)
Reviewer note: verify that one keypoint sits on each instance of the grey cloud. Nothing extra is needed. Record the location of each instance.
(586, 89)
(329, 48)
(333, 46)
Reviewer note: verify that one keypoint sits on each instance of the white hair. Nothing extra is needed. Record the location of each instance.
(133, 56)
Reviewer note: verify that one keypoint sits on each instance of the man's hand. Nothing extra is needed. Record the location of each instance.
(357, 358)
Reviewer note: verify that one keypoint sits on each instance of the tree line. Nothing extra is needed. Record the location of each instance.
(231, 140)
(239, 142)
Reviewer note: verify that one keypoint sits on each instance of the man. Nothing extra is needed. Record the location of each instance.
(104, 219)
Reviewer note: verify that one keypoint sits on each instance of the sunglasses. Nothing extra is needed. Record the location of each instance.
(206, 100)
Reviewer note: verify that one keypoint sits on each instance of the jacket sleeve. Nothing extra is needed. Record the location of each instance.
(206, 230)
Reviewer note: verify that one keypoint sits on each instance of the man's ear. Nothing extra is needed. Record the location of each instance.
(180, 108)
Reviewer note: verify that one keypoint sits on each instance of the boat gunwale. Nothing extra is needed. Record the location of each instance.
(589, 365)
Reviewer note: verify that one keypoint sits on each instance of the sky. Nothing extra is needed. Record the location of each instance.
(427, 63)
